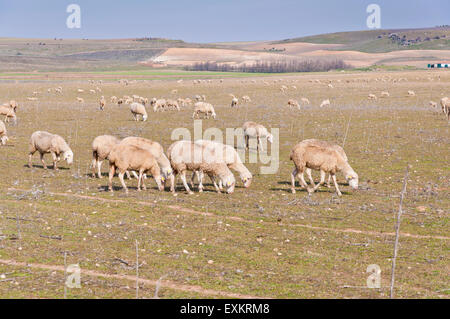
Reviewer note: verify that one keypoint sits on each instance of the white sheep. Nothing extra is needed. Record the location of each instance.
(102, 103)
(325, 103)
(305, 100)
(185, 155)
(79, 99)
(258, 131)
(158, 104)
(155, 149)
(137, 110)
(411, 93)
(234, 101)
(8, 112)
(203, 108)
(246, 99)
(172, 104)
(432, 104)
(44, 143)
(324, 144)
(101, 147)
(230, 157)
(293, 103)
(445, 104)
(3, 133)
(125, 157)
(385, 94)
(326, 160)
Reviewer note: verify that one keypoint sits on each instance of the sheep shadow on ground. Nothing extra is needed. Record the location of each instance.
(49, 167)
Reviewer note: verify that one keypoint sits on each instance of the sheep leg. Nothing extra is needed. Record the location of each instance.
(42, 160)
(246, 141)
(142, 180)
(134, 174)
(193, 178)
(183, 179)
(336, 185)
(200, 181)
(213, 179)
(329, 181)
(112, 170)
(172, 182)
(99, 168)
(123, 182)
(139, 181)
(258, 142)
(293, 174)
(30, 155)
(308, 172)
(322, 179)
(55, 160)
(301, 178)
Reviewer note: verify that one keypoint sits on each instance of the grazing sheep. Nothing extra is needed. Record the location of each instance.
(445, 104)
(293, 103)
(58, 90)
(372, 97)
(174, 91)
(158, 104)
(385, 94)
(231, 158)
(102, 103)
(80, 90)
(203, 108)
(324, 144)
(255, 130)
(283, 88)
(198, 98)
(143, 100)
(185, 155)
(119, 101)
(411, 93)
(433, 104)
(326, 160)
(92, 91)
(113, 99)
(32, 98)
(305, 100)
(172, 104)
(246, 99)
(101, 147)
(155, 149)
(234, 101)
(181, 102)
(138, 109)
(45, 142)
(125, 157)
(8, 112)
(79, 99)
(325, 103)
(3, 133)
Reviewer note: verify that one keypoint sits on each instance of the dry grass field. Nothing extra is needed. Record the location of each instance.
(257, 242)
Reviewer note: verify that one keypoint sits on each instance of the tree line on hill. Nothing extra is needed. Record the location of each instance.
(272, 66)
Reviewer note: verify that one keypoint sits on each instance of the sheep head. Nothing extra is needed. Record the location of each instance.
(352, 179)
(68, 157)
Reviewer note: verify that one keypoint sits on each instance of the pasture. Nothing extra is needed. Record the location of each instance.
(257, 242)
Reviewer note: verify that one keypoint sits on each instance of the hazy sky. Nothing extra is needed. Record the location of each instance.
(211, 20)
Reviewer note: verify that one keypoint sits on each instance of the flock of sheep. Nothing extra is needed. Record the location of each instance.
(142, 156)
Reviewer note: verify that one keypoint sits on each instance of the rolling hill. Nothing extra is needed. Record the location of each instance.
(411, 47)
